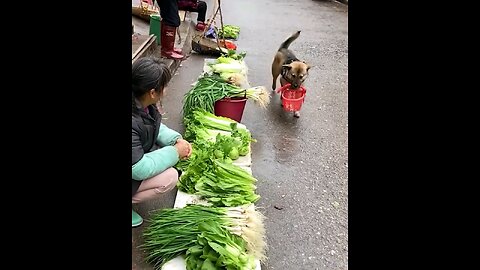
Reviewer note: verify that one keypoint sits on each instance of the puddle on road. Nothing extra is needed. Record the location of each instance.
(286, 149)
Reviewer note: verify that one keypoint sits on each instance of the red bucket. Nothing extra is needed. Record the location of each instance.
(292, 100)
(230, 107)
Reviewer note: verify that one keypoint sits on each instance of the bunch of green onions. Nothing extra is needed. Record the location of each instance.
(211, 88)
(171, 232)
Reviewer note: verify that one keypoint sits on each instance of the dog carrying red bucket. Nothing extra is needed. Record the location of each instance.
(292, 99)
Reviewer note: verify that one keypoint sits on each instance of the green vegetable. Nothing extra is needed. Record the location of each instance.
(218, 182)
(198, 132)
(226, 185)
(234, 55)
(229, 31)
(208, 120)
(219, 143)
(220, 247)
(234, 66)
(233, 153)
(243, 151)
(236, 79)
(208, 265)
(218, 153)
(205, 93)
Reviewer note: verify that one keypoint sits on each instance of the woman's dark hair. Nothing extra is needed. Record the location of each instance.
(148, 73)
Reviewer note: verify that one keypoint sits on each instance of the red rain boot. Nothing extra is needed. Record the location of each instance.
(168, 41)
(200, 26)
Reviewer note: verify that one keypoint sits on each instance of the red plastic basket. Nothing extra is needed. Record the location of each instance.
(292, 100)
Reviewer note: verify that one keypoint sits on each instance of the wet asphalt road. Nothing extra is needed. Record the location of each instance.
(301, 164)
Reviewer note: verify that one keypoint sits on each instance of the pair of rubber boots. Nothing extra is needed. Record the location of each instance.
(167, 40)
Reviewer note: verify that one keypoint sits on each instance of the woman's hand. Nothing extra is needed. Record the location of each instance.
(184, 148)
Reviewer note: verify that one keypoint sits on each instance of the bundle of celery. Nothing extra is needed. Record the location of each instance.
(172, 232)
(225, 185)
(201, 117)
(217, 182)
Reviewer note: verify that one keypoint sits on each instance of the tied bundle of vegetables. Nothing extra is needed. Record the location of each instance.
(228, 64)
(224, 143)
(229, 31)
(205, 93)
(201, 117)
(222, 146)
(200, 133)
(199, 163)
(211, 87)
(221, 184)
(217, 249)
(231, 68)
(172, 232)
(228, 148)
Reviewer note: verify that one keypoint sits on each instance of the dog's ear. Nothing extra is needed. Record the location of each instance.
(308, 66)
(287, 66)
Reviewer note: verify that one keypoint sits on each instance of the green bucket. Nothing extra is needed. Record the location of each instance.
(155, 26)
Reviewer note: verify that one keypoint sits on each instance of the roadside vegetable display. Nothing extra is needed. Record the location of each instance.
(214, 224)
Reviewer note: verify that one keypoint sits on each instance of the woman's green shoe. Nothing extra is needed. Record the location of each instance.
(137, 220)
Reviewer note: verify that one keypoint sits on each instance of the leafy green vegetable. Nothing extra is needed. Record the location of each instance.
(224, 248)
(234, 55)
(233, 153)
(206, 92)
(243, 151)
(201, 117)
(218, 153)
(220, 183)
(229, 31)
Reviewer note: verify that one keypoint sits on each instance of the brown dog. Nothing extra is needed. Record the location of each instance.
(285, 63)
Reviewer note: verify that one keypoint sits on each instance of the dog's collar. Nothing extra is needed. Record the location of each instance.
(284, 75)
(284, 70)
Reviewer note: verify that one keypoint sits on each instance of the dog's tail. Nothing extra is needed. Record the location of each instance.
(289, 40)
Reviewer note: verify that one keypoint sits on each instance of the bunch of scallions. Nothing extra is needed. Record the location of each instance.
(172, 231)
(211, 88)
